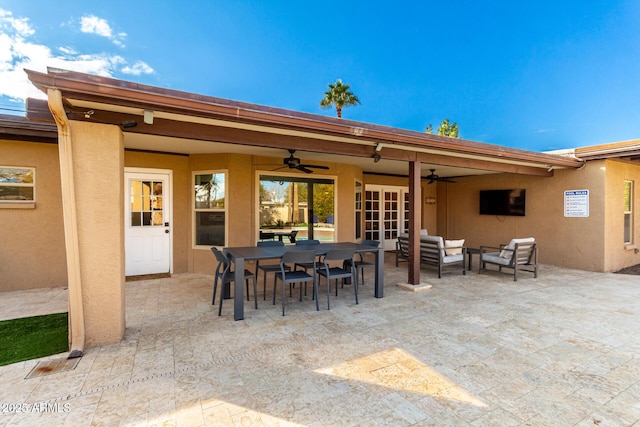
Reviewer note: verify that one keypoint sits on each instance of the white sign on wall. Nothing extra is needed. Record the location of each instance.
(576, 203)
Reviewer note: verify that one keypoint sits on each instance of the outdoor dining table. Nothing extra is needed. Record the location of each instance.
(239, 255)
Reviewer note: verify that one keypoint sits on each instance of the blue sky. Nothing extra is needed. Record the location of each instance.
(537, 75)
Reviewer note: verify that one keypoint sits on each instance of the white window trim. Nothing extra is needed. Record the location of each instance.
(225, 209)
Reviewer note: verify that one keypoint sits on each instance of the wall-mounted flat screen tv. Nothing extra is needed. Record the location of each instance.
(502, 202)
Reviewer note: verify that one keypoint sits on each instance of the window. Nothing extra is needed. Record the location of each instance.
(297, 204)
(210, 193)
(628, 212)
(358, 200)
(17, 184)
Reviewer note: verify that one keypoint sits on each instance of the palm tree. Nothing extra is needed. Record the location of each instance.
(340, 96)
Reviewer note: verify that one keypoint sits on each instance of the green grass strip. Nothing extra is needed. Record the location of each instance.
(32, 337)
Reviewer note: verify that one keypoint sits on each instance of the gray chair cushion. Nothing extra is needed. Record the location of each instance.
(448, 259)
(495, 258)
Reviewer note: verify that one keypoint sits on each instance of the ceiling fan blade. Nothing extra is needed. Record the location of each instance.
(446, 180)
(304, 169)
(316, 167)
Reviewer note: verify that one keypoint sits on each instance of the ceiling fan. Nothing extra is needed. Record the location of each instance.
(433, 178)
(292, 162)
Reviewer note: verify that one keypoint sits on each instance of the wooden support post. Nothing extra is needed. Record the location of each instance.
(415, 210)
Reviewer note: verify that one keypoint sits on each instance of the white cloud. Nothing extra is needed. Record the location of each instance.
(19, 25)
(67, 50)
(138, 68)
(18, 53)
(91, 24)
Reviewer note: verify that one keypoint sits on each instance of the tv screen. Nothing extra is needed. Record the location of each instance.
(502, 202)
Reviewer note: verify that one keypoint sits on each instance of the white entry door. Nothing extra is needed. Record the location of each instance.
(385, 214)
(147, 223)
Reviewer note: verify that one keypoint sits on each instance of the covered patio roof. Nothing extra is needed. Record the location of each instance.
(185, 123)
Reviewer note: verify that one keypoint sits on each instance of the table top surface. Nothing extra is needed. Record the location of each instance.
(264, 252)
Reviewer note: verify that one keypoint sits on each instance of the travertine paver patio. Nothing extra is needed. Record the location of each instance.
(560, 350)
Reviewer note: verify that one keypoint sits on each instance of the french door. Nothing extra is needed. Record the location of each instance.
(147, 223)
(386, 214)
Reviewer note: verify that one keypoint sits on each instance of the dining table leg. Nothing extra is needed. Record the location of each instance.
(238, 283)
(379, 285)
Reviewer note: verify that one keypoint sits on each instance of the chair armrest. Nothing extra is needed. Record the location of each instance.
(496, 248)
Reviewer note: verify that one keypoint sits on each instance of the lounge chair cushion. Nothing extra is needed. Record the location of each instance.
(424, 232)
(449, 259)
(455, 245)
(512, 245)
(495, 258)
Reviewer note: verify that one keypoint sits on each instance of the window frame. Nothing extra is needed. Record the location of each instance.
(358, 228)
(628, 213)
(195, 209)
(32, 185)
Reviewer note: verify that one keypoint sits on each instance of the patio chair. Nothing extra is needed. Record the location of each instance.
(292, 277)
(518, 255)
(308, 265)
(292, 236)
(225, 275)
(336, 273)
(361, 263)
(266, 235)
(268, 268)
(402, 248)
(443, 254)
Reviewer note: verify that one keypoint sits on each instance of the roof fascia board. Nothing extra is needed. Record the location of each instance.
(111, 91)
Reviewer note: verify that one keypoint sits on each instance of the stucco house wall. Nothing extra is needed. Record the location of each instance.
(32, 249)
(593, 243)
(620, 255)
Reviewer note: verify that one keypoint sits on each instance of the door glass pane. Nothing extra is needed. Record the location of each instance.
(285, 207)
(358, 210)
(372, 215)
(146, 203)
(323, 209)
(136, 219)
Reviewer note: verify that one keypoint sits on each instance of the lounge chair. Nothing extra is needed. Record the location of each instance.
(518, 255)
(435, 252)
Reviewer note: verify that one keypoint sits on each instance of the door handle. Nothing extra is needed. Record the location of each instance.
(166, 231)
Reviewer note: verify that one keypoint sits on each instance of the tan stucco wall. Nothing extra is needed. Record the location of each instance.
(429, 211)
(569, 242)
(619, 256)
(32, 249)
(243, 198)
(98, 164)
(346, 201)
(181, 220)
